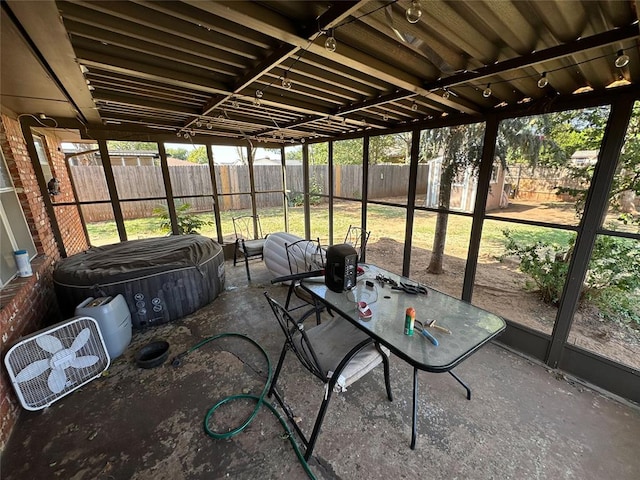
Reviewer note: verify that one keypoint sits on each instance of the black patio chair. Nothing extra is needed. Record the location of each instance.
(304, 256)
(336, 352)
(357, 238)
(249, 240)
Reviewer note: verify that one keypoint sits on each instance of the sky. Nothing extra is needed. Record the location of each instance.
(222, 154)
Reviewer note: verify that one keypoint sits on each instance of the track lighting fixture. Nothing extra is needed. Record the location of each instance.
(414, 107)
(622, 60)
(330, 43)
(543, 81)
(486, 93)
(414, 12)
(446, 94)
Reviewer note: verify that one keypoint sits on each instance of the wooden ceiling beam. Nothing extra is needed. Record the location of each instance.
(137, 102)
(262, 19)
(49, 44)
(335, 14)
(553, 53)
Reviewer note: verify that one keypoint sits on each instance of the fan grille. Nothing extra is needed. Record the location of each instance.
(35, 394)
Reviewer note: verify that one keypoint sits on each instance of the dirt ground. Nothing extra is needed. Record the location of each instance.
(501, 289)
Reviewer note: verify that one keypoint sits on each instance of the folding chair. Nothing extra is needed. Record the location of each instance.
(304, 256)
(336, 352)
(249, 240)
(357, 238)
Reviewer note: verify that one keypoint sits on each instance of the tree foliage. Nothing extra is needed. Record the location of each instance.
(131, 146)
(589, 127)
(188, 223)
(525, 140)
(459, 147)
(180, 153)
(198, 155)
(382, 149)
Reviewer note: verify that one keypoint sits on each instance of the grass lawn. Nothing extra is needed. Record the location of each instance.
(383, 222)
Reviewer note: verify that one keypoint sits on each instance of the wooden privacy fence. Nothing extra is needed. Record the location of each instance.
(385, 181)
(139, 182)
(540, 183)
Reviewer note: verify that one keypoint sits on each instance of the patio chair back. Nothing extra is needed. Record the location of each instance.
(357, 237)
(304, 256)
(247, 227)
(249, 241)
(296, 338)
(336, 352)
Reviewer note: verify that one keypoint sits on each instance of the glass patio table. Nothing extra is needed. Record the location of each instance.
(470, 327)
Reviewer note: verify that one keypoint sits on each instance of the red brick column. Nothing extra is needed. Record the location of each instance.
(68, 218)
(26, 304)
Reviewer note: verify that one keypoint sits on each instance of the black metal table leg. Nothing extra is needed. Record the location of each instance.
(466, 387)
(415, 409)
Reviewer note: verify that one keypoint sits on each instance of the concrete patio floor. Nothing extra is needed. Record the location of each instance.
(523, 421)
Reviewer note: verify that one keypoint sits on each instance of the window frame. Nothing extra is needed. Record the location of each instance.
(16, 229)
(43, 157)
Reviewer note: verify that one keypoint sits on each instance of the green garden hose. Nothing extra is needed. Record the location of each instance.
(258, 399)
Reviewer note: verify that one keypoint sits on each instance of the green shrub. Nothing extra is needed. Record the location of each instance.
(297, 198)
(612, 282)
(546, 263)
(615, 262)
(617, 305)
(187, 221)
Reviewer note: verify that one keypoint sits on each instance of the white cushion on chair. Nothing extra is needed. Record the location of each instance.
(362, 363)
(254, 247)
(332, 340)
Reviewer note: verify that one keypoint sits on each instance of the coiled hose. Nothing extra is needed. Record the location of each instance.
(260, 401)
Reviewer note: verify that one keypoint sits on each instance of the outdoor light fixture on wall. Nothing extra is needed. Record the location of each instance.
(53, 186)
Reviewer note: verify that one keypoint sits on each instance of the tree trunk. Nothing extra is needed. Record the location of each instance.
(439, 239)
(440, 236)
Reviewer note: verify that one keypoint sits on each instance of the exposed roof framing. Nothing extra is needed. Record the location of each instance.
(214, 70)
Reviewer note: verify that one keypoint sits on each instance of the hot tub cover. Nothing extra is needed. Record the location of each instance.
(161, 278)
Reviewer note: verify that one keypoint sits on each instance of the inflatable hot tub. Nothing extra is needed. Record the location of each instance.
(162, 279)
(275, 254)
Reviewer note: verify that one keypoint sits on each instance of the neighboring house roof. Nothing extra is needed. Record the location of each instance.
(176, 162)
(270, 161)
(585, 157)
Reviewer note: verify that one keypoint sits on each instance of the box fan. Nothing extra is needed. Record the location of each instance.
(47, 365)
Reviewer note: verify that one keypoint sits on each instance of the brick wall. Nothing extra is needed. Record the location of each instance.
(67, 217)
(29, 304)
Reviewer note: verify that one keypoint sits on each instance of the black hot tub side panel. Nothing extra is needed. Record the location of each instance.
(171, 278)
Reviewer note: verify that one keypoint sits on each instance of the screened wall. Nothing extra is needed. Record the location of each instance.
(533, 217)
